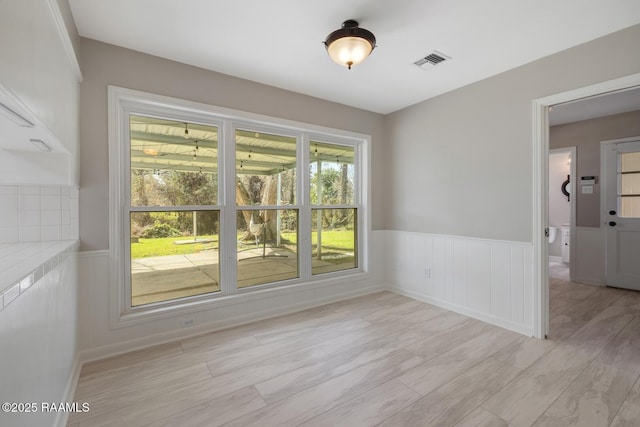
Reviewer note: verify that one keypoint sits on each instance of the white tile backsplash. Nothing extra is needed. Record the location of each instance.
(66, 233)
(9, 217)
(30, 218)
(51, 232)
(28, 202)
(48, 217)
(28, 189)
(28, 234)
(74, 207)
(8, 201)
(50, 202)
(31, 213)
(8, 234)
(8, 189)
(65, 217)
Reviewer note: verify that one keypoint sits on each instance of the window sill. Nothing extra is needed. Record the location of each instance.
(144, 315)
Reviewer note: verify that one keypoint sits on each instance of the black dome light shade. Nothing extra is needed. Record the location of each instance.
(350, 45)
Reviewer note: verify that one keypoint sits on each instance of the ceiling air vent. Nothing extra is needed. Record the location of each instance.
(432, 59)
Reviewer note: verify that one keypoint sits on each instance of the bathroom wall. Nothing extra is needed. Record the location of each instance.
(559, 205)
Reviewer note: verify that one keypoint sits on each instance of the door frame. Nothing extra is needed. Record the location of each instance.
(540, 141)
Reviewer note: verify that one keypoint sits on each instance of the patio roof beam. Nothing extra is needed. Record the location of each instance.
(139, 155)
(170, 139)
(180, 168)
(240, 148)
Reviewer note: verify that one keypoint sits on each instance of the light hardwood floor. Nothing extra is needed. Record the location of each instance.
(384, 359)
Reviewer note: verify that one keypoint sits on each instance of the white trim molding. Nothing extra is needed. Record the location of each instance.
(65, 38)
(69, 392)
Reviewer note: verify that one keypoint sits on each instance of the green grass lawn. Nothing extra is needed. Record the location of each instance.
(165, 246)
(337, 245)
(333, 241)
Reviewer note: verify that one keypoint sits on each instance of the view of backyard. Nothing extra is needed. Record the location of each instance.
(175, 222)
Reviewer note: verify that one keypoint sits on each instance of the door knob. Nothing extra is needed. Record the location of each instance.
(612, 212)
(612, 223)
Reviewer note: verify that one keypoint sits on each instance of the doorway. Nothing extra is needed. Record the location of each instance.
(562, 207)
(541, 187)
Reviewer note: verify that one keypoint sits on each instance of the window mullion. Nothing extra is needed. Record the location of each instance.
(228, 269)
(304, 221)
(124, 263)
(180, 208)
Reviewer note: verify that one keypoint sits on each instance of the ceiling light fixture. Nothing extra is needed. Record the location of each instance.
(350, 45)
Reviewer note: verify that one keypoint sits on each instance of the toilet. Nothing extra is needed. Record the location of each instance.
(553, 232)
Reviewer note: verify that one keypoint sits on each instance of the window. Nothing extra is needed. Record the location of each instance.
(208, 204)
(629, 185)
(266, 183)
(334, 214)
(174, 221)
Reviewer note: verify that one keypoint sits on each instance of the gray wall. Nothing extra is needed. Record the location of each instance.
(104, 65)
(586, 137)
(461, 163)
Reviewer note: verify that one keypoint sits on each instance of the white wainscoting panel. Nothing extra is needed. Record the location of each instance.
(486, 279)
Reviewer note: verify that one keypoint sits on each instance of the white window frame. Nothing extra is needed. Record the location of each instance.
(357, 191)
(123, 102)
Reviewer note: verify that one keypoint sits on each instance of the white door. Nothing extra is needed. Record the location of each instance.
(622, 212)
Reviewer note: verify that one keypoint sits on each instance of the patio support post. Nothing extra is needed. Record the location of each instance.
(319, 212)
(195, 227)
(278, 212)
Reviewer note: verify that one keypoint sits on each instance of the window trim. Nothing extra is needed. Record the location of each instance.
(122, 102)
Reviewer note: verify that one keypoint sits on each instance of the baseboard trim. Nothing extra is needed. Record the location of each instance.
(506, 324)
(589, 281)
(555, 258)
(69, 392)
(93, 254)
(115, 349)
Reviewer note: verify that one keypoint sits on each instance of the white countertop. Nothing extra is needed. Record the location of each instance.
(23, 264)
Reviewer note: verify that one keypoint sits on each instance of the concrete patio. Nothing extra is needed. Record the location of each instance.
(162, 278)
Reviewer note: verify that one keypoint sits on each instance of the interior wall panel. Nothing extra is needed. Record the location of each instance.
(490, 280)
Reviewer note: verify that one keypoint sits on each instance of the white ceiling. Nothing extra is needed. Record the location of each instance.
(279, 42)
